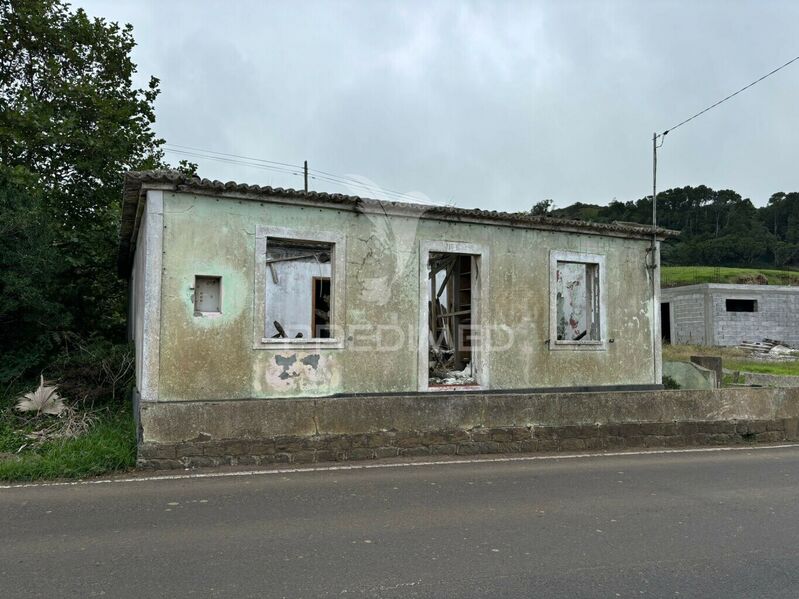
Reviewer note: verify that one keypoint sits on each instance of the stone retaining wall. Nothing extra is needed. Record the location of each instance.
(195, 434)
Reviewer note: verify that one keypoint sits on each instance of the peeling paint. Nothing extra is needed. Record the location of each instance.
(312, 361)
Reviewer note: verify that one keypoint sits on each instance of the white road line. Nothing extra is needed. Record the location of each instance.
(532, 458)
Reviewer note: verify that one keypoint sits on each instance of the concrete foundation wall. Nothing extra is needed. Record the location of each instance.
(179, 434)
(204, 358)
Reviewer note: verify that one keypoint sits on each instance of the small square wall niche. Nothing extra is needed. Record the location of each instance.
(207, 295)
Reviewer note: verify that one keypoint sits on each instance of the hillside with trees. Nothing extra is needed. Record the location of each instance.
(717, 227)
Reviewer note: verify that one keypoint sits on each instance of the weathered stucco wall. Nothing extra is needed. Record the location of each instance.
(213, 358)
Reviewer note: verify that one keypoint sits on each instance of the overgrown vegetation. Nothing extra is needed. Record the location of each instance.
(71, 123)
(92, 433)
(108, 446)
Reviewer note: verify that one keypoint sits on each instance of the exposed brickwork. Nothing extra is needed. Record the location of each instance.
(329, 448)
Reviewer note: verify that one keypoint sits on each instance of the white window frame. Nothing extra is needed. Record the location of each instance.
(337, 278)
(601, 344)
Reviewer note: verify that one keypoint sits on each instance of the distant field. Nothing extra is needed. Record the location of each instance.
(674, 276)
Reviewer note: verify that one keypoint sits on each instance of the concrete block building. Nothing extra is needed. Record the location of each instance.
(725, 315)
(243, 293)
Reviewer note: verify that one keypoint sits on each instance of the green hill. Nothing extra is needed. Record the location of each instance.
(675, 276)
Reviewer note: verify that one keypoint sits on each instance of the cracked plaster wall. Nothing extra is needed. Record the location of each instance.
(204, 357)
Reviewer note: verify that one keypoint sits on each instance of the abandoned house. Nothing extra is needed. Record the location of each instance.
(725, 314)
(242, 292)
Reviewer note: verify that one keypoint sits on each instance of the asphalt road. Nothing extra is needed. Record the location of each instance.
(708, 524)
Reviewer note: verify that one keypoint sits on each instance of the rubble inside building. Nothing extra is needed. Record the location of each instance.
(450, 319)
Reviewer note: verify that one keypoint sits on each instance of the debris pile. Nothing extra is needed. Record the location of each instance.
(770, 349)
(453, 377)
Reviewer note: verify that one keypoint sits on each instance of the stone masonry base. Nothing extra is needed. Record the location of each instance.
(529, 439)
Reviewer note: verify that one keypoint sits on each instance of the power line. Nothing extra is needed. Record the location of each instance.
(701, 112)
(284, 167)
(234, 161)
(231, 155)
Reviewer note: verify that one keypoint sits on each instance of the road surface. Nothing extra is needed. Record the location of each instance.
(674, 524)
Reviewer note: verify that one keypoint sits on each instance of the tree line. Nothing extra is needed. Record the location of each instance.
(717, 227)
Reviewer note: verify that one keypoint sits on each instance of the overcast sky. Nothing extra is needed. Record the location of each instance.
(495, 105)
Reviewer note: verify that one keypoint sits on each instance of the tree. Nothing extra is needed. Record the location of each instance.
(542, 208)
(71, 122)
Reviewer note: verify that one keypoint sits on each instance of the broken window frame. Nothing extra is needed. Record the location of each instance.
(337, 242)
(600, 301)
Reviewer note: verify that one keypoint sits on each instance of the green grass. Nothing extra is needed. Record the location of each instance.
(109, 446)
(674, 276)
(732, 358)
(779, 368)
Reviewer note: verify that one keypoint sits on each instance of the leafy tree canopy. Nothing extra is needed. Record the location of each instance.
(71, 122)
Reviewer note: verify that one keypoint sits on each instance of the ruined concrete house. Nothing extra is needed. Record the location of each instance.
(721, 314)
(252, 293)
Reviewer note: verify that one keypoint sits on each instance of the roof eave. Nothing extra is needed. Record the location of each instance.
(138, 183)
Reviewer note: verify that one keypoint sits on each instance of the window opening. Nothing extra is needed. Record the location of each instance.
(741, 305)
(298, 289)
(451, 356)
(577, 287)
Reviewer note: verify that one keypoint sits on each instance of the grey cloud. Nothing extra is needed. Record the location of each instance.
(496, 105)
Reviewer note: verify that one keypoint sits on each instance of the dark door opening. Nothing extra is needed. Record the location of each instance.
(320, 310)
(451, 360)
(665, 322)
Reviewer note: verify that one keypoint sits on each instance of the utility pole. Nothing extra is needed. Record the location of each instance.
(653, 257)
(305, 172)
(654, 195)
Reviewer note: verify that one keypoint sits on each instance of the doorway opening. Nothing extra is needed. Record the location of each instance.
(453, 280)
(665, 322)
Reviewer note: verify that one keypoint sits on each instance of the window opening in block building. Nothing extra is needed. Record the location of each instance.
(741, 305)
(577, 296)
(450, 319)
(299, 281)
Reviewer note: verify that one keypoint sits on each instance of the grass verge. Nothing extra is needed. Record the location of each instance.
(673, 276)
(110, 446)
(731, 358)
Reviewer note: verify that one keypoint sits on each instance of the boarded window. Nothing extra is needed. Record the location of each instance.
(299, 281)
(577, 296)
(741, 305)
